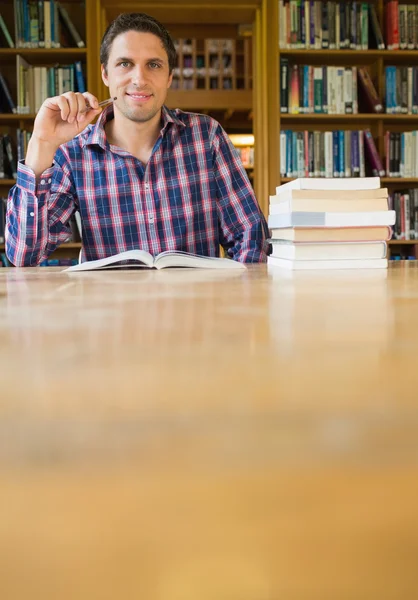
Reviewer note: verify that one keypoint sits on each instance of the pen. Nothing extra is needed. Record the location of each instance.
(102, 103)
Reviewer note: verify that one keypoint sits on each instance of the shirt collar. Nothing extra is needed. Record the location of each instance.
(97, 135)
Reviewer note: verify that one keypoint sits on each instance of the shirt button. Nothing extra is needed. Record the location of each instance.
(42, 181)
(151, 219)
(32, 214)
(147, 186)
(49, 180)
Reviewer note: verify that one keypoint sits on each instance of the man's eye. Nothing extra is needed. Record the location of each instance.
(124, 63)
(154, 65)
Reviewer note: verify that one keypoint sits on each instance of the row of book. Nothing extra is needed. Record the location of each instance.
(401, 89)
(401, 151)
(226, 83)
(405, 205)
(340, 153)
(37, 24)
(316, 24)
(306, 89)
(401, 25)
(330, 224)
(35, 84)
(208, 45)
(8, 155)
(246, 154)
(8, 165)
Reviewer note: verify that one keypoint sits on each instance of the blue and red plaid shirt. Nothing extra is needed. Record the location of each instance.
(193, 195)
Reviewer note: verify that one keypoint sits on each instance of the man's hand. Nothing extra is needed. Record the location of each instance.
(63, 117)
(58, 121)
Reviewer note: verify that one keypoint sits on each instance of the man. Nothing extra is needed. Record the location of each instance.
(142, 177)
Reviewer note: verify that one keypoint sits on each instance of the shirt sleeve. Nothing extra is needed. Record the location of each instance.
(243, 228)
(37, 214)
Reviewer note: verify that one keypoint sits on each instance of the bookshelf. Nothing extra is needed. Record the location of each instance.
(375, 62)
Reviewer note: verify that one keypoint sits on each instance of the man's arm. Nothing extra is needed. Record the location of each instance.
(40, 205)
(38, 211)
(243, 226)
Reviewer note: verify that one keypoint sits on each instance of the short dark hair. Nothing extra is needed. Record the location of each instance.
(142, 23)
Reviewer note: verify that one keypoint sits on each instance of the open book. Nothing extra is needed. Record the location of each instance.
(141, 258)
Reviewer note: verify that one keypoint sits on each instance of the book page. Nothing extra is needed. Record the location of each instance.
(184, 259)
(141, 257)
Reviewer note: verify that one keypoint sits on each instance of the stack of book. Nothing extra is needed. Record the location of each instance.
(318, 223)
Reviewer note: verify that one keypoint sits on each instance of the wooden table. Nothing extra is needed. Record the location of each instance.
(204, 435)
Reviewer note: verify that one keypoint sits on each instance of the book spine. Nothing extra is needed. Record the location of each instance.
(282, 154)
(375, 161)
(312, 23)
(325, 26)
(415, 91)
(284, 85)
(411, 26)
(341, 153)
(376, 29)
(41, 24)
(328, 141)
(358, 26)
(403, 25)
(347, 154)
(7, 95)
(70, 25)
(369, 90)
(361, 153)
(6, 33)
(404, 90)
(311, 154)
(364, 26)
(335, 154)
(348, 91)
(10, 157)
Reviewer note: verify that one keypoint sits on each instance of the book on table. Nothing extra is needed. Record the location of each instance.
(332, 219)
(330, 183)
(372, 263)
(328, 250)
(141, 258)
(332, 234)
(319, 223)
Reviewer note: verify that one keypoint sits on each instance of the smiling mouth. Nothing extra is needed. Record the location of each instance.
(139, 96)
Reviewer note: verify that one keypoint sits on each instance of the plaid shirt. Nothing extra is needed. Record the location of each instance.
(193, 195)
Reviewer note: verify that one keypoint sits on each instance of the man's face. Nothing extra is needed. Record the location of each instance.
(138, 75)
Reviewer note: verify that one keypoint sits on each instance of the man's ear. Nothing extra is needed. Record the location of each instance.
(170, 79)
(104, 75)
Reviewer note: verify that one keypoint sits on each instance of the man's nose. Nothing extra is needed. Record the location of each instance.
(138, 75)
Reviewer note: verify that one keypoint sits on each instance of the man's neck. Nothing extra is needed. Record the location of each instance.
(137, 138)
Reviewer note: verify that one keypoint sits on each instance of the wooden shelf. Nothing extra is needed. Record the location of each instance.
(399, 180)
(210, 99)
(43, 52)
(402, 242)
(343, 117)
(8, 182)
(352, 54)
(385, 180)
(65, 246)
(10, 117)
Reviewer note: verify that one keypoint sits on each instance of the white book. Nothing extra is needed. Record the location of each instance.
(329, 250)
(141, 258)
(328, 219)
(330, 183)
(374, 263)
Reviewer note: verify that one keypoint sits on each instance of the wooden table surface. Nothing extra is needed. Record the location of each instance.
(206, 435)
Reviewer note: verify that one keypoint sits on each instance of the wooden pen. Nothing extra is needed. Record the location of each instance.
(102, 103)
